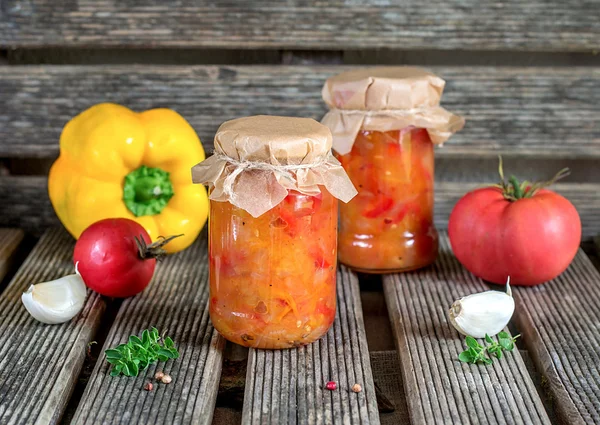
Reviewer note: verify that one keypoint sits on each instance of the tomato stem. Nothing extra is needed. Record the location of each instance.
(155, 249)
(515, 190)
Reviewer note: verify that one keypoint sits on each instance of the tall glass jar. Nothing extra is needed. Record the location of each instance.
(385, 122)
(272, 278)
(273, 230)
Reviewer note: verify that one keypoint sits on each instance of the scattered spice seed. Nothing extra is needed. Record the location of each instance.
(159, 376)
(356, 388)
(331, 386)
(166, 379)
(148, 386)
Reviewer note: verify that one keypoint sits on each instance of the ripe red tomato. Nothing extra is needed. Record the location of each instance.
(531, 239)
(109, 258)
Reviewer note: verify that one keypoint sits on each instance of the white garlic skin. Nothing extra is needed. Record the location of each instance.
(56, 301)
(483, 313)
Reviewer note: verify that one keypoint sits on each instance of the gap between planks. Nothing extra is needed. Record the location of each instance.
(39, 364)
(560, 323)
(288, 386)
(10, 240)
(440, 389)
(176, 302)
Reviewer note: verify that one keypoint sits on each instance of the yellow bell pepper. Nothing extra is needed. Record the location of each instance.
(118, 163)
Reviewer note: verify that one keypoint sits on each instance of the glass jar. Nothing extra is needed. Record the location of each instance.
(273, 230)
(385, 122)
(389, 225)
(272, 278)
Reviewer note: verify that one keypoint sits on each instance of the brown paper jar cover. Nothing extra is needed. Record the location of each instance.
(258, 159)
(386, 99)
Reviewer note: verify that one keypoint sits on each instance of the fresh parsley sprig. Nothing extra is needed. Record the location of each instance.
(477, 353)
(139, 353)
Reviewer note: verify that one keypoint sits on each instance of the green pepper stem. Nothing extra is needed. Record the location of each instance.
(146, 191)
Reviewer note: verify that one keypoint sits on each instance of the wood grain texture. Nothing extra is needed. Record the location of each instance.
(10, 239)
(39, 363)
(559, 321)
(294, 24)
(288, 386)
(535, 112)
(440, 389)
(175, 303)
(31, 209)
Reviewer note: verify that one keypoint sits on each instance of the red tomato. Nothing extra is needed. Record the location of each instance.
(109, 260)
(532, 239)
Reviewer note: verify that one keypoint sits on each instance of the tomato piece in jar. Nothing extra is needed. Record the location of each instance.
(389, 225)
(282, 293)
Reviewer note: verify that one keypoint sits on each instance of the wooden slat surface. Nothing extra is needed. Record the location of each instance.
(31, 208)
(10, 239)
(288, 386)
(560, 322)
(39, 363)
(440, 389)
(176, 303)
(538, 112)
(336, 24)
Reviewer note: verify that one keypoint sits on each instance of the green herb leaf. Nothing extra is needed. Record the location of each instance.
(472, 343)
(139, 353)
(465, 357)
(507, 344)
(477, 353)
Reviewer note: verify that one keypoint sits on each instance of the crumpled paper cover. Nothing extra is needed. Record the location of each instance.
(259, 159)
(386, 99)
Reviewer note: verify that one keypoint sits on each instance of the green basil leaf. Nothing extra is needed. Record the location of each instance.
(162, 358)
(169, 342)
(115, 372)
(487, 360)
(164, 352)
(488, 339)
(146, 338)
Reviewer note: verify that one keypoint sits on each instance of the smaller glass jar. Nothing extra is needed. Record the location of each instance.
(385, 122)
(273, 230)
(389, 225)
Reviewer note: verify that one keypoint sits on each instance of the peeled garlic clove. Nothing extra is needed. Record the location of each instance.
(56, 301)
(484, 313)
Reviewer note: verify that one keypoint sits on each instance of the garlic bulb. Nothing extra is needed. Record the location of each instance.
(56, 301)
(484, 313)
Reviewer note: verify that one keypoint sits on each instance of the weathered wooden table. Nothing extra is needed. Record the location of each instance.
(524, 74)
(41, 364)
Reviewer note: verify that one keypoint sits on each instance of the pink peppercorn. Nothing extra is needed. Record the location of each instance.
(331, 386)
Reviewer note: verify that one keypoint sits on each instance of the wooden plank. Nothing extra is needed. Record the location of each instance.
(440, 389)
(288, 386)
(337, 24)
(39, 364)
(535, 112)
(559, 322)
(176, 303)
(31, 209)
(10, 239)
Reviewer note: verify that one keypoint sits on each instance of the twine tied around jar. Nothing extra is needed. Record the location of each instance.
(386, 99)
(282, 170)
(258, 160)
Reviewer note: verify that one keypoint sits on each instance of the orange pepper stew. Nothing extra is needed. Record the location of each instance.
(272, 278)
(389, 226)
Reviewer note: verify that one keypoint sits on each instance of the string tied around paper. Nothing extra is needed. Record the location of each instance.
(382, 112)
(283, 170)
